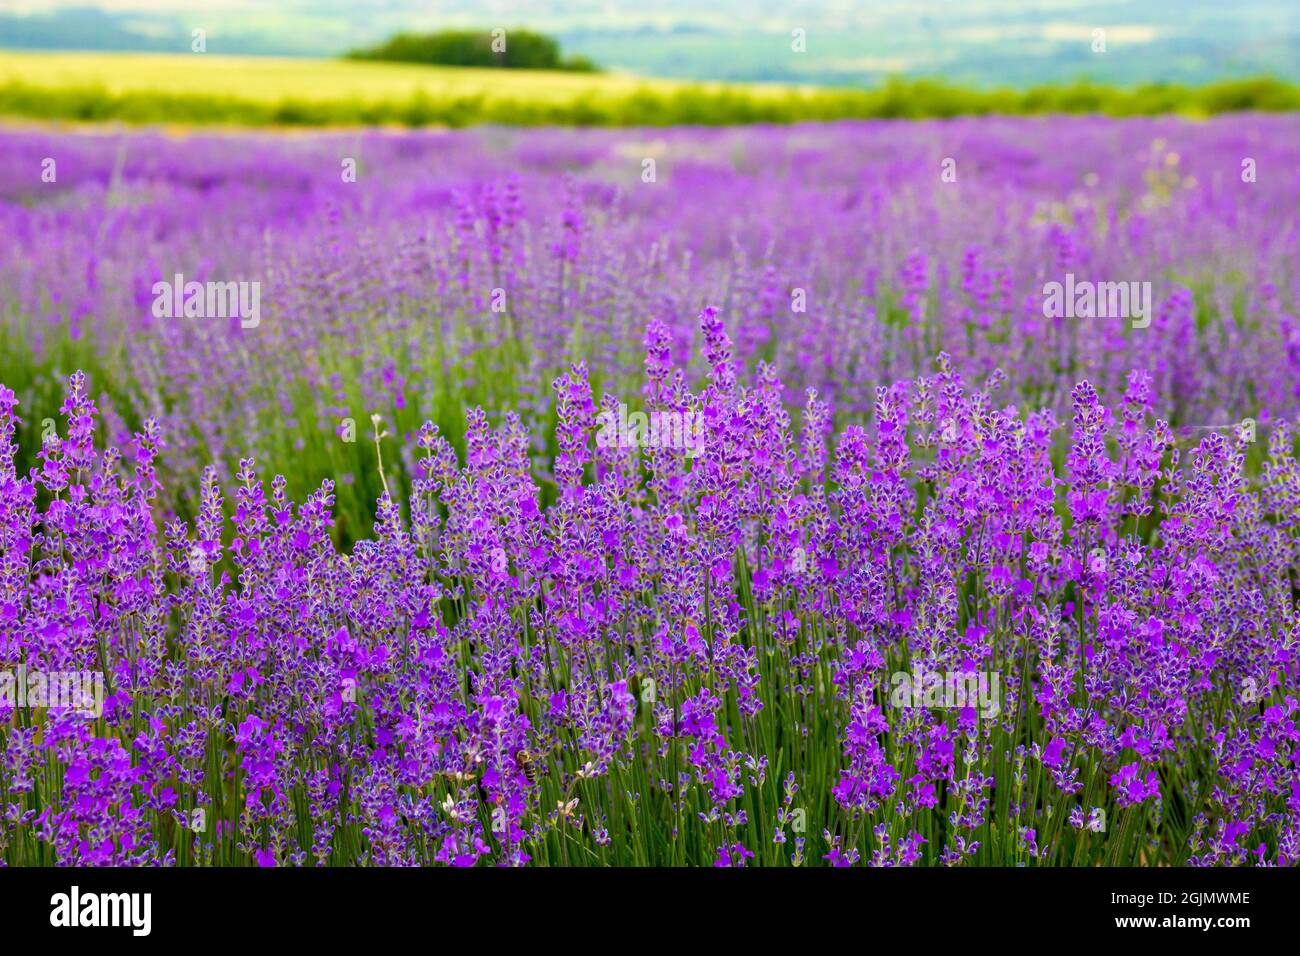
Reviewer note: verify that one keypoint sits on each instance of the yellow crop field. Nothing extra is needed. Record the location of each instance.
(246, 91)
(274, 79)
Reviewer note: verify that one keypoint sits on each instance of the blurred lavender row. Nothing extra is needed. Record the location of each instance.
(377, 295)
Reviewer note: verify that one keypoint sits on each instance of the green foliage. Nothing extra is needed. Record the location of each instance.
(694, 105)
(520, 50)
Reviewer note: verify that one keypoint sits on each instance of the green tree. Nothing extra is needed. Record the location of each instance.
(505, 49)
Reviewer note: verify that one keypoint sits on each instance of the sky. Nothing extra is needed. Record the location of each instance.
(850, 42)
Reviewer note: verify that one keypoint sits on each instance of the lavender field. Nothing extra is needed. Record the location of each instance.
(741, 496)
